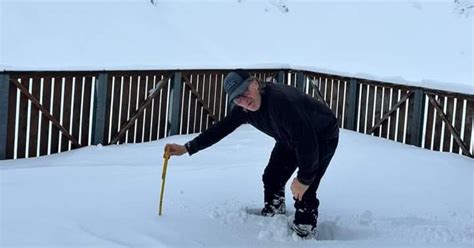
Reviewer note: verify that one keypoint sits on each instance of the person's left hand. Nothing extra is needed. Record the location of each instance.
(298, 189)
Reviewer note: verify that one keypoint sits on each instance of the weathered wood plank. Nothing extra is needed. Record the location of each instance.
(429, 126)
(334, 96)
(322, 89)
(392, 134)
(45, 123)
(202, 101)
(141, 99)
(86, 112)
(438, 125)
(220, 97)
(341, 102)
(22, 120)
(148, 111)
(101, 103)
(76, 110)
(352, 105)
(363, 108)
(155, 124)
(125, 108)
(66, 112)
(12, 104)
(185, 110)
(329, 93)
(198, 86)
(449, 117)
(468, 127)
(109, 108)
(458, 121)
(133, 107)
(4, 99)
(378, 109)
(34, 119)
(115, 107)
(386, 107)
(192, 80)
(370, 108)
(164, 124)
(212, 97)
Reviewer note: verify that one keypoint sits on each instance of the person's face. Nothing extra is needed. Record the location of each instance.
(251, 98)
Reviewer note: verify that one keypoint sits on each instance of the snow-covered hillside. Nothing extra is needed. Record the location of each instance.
(416, 42)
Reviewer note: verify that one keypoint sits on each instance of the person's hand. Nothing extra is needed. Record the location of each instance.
(298, 189)
(175, 149)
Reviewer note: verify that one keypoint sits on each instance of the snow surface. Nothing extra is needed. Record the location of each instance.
(376, 193)
(422, 43)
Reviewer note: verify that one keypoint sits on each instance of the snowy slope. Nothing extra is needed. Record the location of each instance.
(416, 42)
(376, 193)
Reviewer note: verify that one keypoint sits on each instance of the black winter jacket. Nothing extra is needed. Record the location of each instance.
(289, 116)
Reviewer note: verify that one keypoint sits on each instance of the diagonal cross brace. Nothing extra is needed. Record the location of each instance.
(152, 94)
(318, 93)
(199, 99)
(450, 127)
(390, 112)
(45, 112)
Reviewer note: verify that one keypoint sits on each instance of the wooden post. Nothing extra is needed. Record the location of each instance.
(4, 91)
(351, 120)
(415, 119)
(281, 77)
(100, 105)
(175, 103)
(300, 81)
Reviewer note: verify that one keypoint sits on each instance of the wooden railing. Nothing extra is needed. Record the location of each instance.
(44, 113)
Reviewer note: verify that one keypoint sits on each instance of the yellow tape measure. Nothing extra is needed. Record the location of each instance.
(166, 157)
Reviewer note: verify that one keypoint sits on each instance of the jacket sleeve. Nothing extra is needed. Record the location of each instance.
(302, 138)
(217, 131)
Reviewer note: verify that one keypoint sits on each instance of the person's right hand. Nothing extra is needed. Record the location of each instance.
(175, 149)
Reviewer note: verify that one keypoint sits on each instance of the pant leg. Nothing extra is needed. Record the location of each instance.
(279, 169)
(327, 150)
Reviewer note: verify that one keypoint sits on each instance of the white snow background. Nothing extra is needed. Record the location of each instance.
(376, 193)
(417, 42)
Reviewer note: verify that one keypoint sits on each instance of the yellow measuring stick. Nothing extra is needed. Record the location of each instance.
(166, 156)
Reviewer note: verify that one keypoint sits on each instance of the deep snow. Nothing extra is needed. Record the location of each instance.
(376, 193)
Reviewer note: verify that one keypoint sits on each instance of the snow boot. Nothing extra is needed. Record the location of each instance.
(304, 224)
(274, 203)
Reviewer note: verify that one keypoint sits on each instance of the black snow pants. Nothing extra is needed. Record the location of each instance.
(283, 164)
